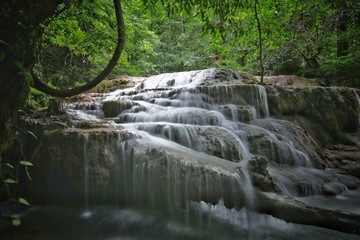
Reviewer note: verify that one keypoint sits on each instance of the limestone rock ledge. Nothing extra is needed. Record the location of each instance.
(326, 113)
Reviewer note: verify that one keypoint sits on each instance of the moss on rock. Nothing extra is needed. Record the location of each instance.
(326, 113)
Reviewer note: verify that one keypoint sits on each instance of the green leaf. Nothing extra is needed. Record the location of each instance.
(19, 65)
(24, 201)
(28, 77)
(2, 56)
(10, 181)
(9, 165)
(16, 222)
(26, 163)
(32, 134)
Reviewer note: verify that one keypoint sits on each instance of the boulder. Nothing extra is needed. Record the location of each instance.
(220, 142)
(276, 148)
(295, 135)
(114, 108)
(112, 166)
(290, 210)
(324, 112)
(239, 95)
(260, 176)
(238, 113)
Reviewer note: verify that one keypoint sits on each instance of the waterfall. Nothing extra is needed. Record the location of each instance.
(245, 95)
(183, 144)
(182, 120)
(87, 212)
(358, 99)
(182, 113)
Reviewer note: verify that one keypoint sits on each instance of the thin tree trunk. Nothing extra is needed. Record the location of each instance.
(20, 23)
(342, 18)
(260, 41)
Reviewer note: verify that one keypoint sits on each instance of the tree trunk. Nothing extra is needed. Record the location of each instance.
(20, 24)
(262, 69)
(342, 19)
(39, 85)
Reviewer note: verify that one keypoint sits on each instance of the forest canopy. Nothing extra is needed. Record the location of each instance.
(317, 39)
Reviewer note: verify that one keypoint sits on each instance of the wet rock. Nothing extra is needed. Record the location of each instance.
(63, 156)
(295, 135)
(291, 210)
(238, 113)
(333, 188)
(275, 147)
(325, 113)
(114, 108)
(239, 95)
(287, 80)
(258, 164)
(345, 158)
(111, 166)
(260, 177)
(349, 181)
(303, 182)
(222, 143)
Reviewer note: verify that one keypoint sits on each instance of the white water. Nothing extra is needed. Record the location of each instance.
(176, 80)
(358, 98)
(178, 118)
(87, 212)
(218, 222)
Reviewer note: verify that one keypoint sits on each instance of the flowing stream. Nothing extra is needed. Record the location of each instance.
(193, 134)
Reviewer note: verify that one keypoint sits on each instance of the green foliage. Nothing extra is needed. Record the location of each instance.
(16, 222)
(37, 100)
(77, 43)
(182, 46)
(2, 56)
(12, 166)
(24, 71)
(298, 37)
(10, 181)
(24, 201)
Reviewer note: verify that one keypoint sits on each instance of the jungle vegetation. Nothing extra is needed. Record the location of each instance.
(316, 39)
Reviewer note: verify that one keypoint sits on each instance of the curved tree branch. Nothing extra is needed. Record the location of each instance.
(39, 85)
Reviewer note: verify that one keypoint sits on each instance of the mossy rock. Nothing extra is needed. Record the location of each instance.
(110, 85)
(326, 113)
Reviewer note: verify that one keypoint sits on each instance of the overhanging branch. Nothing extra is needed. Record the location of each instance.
(39, 85)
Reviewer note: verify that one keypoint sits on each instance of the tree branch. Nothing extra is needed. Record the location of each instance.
(39, 85)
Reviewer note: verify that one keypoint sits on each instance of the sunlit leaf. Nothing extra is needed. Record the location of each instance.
(10, 181)
(16, 222)
(26, 163)
(24, 201)
(9, 165)
(28, 78)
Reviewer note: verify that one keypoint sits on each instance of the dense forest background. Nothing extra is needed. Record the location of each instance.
(318, 39)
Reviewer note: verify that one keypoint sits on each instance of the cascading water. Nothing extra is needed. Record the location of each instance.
(180, 118)
(86, 213)
(358, 99)
(183, 145)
